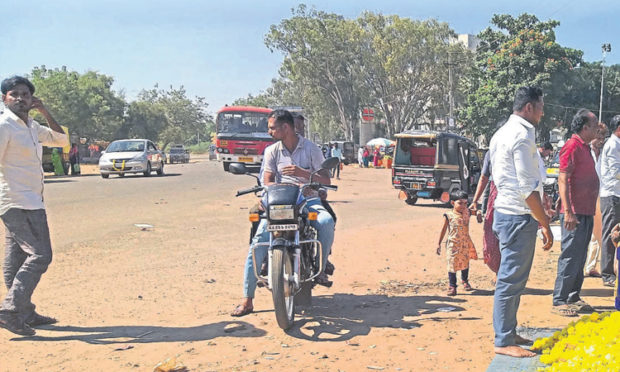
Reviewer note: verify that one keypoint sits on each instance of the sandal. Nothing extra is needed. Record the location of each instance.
(451, 291)
(241, 310)
(467, 287)
(564, 310)
(582, 307)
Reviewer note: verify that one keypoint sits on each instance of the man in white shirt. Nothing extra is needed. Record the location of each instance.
(28, 248)
(518, 210)
(292, 159)
(610, 199)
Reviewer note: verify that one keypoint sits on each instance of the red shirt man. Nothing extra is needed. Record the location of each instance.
(583, 184)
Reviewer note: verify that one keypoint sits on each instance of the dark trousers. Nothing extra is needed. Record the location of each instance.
(610, 210)
(28, 254)
(464, 277)
(572, 259)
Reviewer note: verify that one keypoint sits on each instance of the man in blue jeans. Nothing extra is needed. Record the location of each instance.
(579, 185)
(518, 210)
(290, 160)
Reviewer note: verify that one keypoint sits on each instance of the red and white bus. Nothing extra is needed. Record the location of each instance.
(242, 135)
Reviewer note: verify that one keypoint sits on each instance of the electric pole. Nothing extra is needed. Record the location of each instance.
(450, 91)
(606, 48)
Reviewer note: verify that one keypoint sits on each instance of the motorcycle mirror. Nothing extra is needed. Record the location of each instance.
(237, 168)
(330, 163)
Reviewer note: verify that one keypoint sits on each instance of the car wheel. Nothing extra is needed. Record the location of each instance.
(147, 172)
(226, 165)
(105, 175)
(160, 171)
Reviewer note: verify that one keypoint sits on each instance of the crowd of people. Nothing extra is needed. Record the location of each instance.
(367, 155)
(517, 208)
(589, 182)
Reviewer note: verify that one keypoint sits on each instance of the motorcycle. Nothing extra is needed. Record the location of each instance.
(551, 189)
(293, 243)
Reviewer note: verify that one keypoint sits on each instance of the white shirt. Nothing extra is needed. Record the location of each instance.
(21, 175)
(306, 155)
(541, 167)
(597, 162)
(610, 167)
(515, 165)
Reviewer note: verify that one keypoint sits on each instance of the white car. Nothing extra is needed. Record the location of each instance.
(131, 156)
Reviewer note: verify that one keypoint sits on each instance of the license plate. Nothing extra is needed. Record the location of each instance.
(416, 186)
(246, 159)
(291, 227)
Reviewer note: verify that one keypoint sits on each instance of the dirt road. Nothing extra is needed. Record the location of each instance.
(128, 298)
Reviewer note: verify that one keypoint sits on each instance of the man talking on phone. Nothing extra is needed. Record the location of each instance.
(28, 248)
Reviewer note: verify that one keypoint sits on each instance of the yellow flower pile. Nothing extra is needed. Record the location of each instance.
(590, 344)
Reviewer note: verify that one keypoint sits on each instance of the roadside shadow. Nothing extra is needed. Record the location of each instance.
(340, 202)
(58, 180)
(597, 292)
(434, 205)
(537, 291)
(148, 334)
(140, 175)
(343, 316)
(482, 292)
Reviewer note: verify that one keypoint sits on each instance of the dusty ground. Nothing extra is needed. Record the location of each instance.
(127, 299)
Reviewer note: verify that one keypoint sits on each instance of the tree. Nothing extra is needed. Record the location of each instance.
(521, 51)
(404, 67)
(85, 103)
(175, 117)
(320, 61)
(584, 89)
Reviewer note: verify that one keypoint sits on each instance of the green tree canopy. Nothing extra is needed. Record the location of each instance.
(521, 51)
(85, 103)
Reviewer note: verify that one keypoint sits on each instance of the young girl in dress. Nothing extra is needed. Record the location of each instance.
(459, 246)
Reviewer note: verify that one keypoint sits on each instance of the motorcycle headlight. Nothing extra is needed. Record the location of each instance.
(281, 212)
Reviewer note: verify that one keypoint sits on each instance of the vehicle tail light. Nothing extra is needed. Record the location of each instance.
(431, 183)
(254, 217)
(313, 216)
(396, 181)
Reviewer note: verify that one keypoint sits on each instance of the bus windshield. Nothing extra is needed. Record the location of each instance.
(241, 122)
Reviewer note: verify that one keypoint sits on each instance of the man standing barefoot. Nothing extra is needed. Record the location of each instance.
(28, 248)
(518, 210)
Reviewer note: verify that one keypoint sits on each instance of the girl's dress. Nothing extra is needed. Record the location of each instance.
(490, 248)
(459, 246)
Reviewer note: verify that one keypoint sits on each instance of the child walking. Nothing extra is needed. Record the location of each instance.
(459, 246)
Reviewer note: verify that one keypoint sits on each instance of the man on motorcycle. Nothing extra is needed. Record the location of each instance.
(290, 160)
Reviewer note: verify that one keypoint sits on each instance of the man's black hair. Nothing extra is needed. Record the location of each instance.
(615, 123)
(547, 146)
(525, 95)
(458, 195)
(580, 120)
(282, 116)
(10, 83)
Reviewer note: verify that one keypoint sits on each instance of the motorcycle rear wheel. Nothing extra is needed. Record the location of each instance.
(282, 290)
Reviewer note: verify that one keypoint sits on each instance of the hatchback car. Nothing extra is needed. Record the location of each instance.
(131, 156)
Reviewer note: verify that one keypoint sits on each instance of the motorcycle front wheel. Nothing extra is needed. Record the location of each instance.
(282, 289)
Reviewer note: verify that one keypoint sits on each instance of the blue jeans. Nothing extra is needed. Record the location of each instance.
(572, 259)
(325, 229)
(517, 239)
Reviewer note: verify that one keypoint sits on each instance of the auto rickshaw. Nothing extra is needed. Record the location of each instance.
(431, 165)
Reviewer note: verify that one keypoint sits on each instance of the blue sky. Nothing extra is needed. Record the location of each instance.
(215, 48)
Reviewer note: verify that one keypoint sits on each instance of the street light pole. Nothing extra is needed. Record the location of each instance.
(606, 48)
